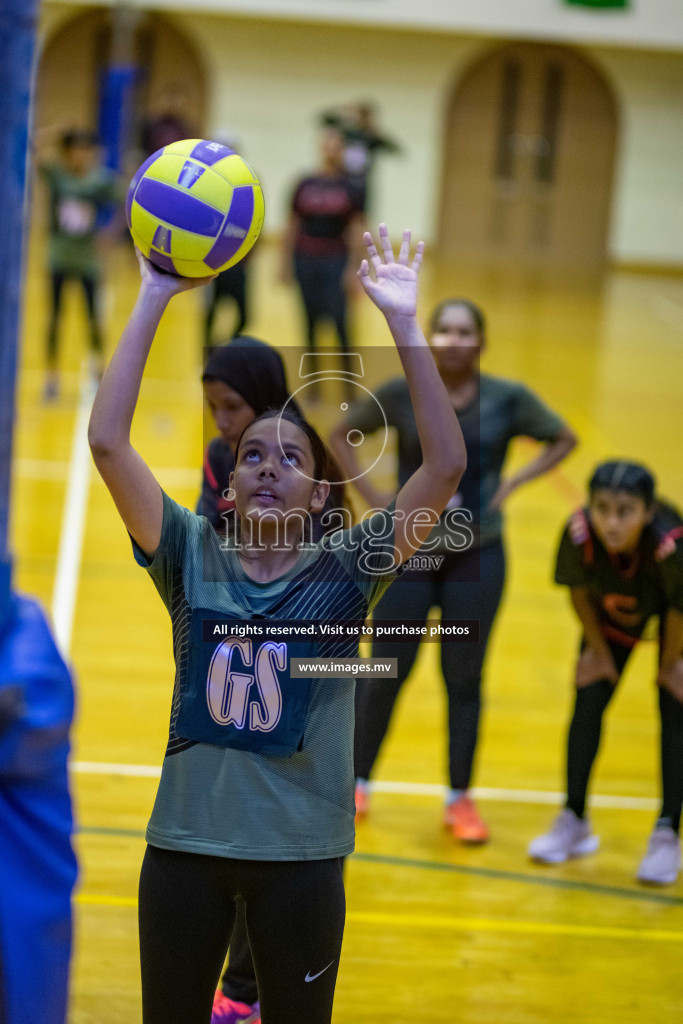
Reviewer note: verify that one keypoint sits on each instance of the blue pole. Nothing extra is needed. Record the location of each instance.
(17, 41)
(116, 113)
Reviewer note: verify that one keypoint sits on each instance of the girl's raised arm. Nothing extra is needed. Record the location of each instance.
(392, 286)
(131, 483)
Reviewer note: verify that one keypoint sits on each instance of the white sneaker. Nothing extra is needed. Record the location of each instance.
(569, 837)
(662, 862)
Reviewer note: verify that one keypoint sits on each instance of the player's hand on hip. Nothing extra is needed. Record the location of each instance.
(169, 284)
(391, 283)
(503, 492)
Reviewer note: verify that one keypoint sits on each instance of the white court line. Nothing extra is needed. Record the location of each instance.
(73, 523)
(139, 771)
(516, 796)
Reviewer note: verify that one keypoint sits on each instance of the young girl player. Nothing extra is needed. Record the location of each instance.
(622, 558)
(256, 791)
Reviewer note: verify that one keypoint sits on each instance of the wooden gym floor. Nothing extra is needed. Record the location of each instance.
(435, 931)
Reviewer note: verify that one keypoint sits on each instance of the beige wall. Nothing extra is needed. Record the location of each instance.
(656, 23)
(647, 224)
(272, 81)
(269, 80)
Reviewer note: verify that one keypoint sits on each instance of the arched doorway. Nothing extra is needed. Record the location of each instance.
(528, 164)
(75, 60)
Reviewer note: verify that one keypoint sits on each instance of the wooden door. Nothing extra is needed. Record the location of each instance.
(529, 155)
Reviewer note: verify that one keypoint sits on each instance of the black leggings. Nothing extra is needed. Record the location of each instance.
(295, 920)
(90, 285)
(584, 740)
(411, 597)
(231, 284)
(321, 281)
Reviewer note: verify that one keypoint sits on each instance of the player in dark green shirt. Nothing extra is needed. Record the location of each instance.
(622, 558)
(81, 191)
(467, 575)
(256, 792)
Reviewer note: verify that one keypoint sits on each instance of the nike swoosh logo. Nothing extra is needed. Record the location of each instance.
(312, 977)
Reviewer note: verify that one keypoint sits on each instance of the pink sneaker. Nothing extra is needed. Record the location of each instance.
(229, 1011)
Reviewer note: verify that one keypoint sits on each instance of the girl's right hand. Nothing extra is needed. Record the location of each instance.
(593, 665)
(393, 289)
(169, 284)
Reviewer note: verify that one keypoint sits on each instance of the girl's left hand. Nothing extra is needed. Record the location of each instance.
(394, 286)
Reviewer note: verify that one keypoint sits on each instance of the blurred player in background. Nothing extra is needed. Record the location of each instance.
(622, 558)
(363, 142)
(469, 581)
(82, 195)
(231, 285)
(323, 243)
(37, 862)
(169, 122)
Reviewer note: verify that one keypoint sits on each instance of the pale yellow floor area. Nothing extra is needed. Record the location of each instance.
(435, 932)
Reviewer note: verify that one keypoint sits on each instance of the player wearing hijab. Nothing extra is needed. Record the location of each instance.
(622, 558)
(241, 380)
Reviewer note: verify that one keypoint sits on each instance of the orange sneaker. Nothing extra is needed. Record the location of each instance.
(462, 818)
(362, 797)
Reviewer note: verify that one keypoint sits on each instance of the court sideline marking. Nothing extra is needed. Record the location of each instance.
(73, 521)
(518, 796)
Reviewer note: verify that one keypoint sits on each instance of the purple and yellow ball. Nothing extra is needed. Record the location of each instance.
(194, 208)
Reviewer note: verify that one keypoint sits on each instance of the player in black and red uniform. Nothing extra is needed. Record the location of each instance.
(322, 240)
(363, 141)
(622, 558)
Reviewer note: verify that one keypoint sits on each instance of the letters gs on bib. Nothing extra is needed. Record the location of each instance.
(237, 690)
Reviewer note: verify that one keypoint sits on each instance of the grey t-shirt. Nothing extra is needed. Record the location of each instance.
(501, 410)
(246, 803)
